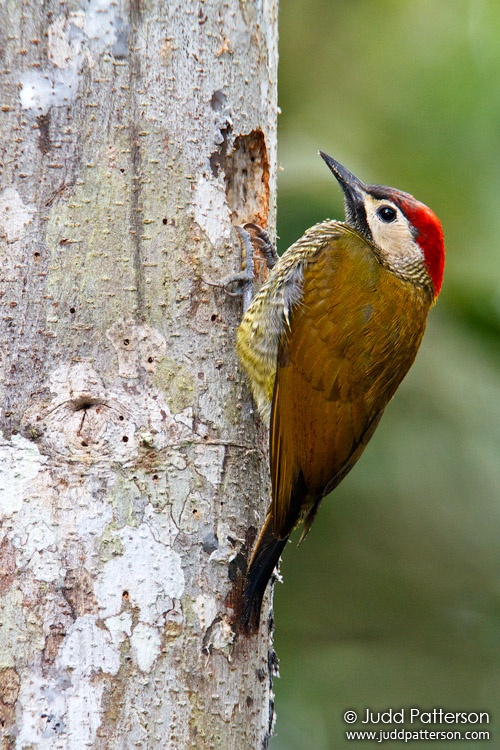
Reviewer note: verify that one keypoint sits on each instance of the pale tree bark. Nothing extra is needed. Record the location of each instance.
(133, 469)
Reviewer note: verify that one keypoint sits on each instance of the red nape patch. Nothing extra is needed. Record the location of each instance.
(429, 237)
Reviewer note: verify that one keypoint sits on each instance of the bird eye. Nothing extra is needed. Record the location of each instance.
(387, 214)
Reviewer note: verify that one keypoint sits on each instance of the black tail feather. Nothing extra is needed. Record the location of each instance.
(264, 560)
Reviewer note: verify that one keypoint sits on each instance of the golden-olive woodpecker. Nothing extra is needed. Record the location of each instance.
(326, 342)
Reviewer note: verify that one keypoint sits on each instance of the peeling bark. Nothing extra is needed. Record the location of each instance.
(133, 469)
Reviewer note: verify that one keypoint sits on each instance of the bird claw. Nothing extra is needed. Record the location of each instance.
(254, 236)
(262, 240)
(243, 280)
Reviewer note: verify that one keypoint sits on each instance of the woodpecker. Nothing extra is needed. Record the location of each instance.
(326, 342)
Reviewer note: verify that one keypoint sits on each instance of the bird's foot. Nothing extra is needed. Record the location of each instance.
(261, 240)
(240, 284)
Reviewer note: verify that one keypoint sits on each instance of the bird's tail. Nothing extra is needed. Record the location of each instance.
(265, 557)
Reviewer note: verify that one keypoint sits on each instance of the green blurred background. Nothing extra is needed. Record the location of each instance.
(394, 599)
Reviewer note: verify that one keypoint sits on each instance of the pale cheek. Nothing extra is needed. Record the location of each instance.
(395, 240)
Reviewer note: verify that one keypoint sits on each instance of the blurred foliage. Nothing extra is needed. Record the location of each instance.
(394, 599)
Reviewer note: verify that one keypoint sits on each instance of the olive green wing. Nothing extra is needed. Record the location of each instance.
(340, 361)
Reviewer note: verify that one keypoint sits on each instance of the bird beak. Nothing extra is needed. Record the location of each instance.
(354, 193)
(354, 190)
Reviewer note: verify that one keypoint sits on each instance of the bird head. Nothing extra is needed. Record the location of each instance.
(406, 233)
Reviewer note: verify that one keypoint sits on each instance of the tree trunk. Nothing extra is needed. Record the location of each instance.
(133, 469)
